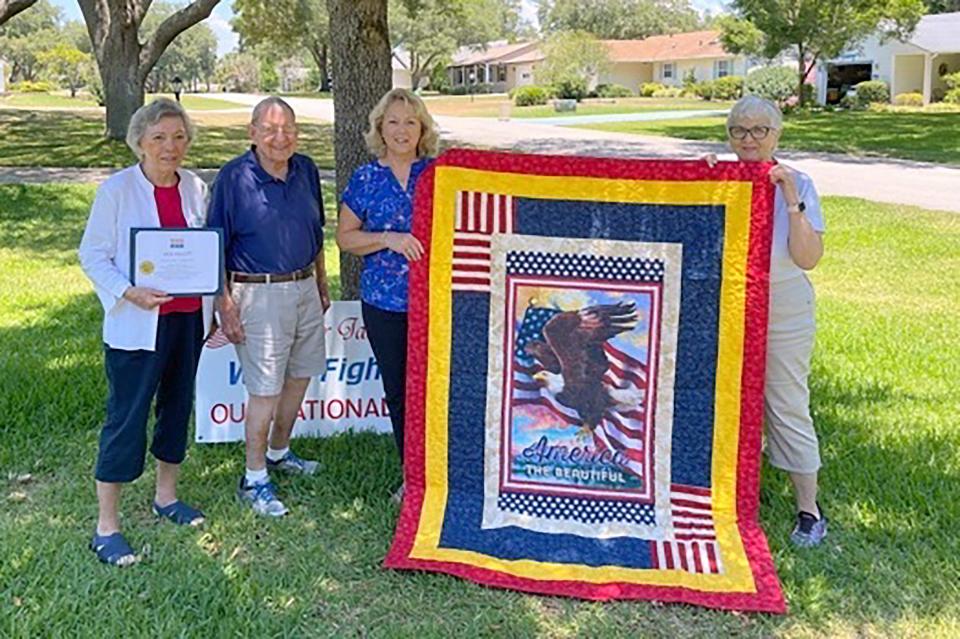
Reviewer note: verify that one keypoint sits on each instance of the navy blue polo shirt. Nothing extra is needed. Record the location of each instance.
(269, 225)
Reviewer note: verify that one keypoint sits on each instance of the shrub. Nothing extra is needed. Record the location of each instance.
(703, 90)
(647, 89)
(872, 91)
(613, 91)
(728, 88)
(773, 83)
(952, 96)
(28, 86)
(530, 96)
(460, 89)
(953, 80)
(908, 99)
(668, 92)
(571, 89)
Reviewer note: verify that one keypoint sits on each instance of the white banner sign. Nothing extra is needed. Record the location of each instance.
(348, 396)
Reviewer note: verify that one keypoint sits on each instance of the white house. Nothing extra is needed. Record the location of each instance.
(915, 66)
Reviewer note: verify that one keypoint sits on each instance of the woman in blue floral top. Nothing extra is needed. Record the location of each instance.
(376, 212)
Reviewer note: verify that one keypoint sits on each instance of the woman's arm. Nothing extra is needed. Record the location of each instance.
(805, 243)
(353, 239)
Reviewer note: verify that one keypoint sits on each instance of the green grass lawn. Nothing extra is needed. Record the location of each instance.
(64, 101)
(886, 395)
(925, 136)
(488, 106)
(65, 139)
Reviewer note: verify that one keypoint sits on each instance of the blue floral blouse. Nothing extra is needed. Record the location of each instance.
(377, 199)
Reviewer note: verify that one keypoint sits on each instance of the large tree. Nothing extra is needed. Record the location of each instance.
(124, 61)
(10, 8)
(822, 29)
(287, 26)
(192, 56)
(618, 19)
(360, 48)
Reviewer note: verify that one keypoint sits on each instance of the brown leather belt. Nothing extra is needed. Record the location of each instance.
(271, 278)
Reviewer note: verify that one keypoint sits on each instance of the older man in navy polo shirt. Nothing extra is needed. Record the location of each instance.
(268, 203)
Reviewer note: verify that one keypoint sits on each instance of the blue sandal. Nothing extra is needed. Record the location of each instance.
(113, 549)
(179, 513)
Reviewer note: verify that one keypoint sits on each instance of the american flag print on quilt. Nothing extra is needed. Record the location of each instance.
(585, 377)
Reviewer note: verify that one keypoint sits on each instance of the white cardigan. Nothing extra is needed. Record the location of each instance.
(124, 201)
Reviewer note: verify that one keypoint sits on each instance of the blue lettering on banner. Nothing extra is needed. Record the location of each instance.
(351, 372)
(235, 374)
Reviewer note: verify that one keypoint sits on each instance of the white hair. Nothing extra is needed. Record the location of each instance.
(754, 107)
(149, 114)
(268, 103)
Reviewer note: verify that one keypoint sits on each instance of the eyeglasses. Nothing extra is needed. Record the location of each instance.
(274, 131)
(757, 132)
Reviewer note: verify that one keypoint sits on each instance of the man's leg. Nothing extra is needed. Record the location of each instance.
(288, 409)
(260, 411)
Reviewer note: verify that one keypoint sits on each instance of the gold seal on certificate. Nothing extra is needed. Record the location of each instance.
(179, 262)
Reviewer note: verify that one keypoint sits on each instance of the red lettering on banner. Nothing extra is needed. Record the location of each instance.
(351, 328)
(222, 413)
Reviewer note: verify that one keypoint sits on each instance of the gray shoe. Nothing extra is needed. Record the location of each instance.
(397, 497)
(294, 465)
(262, 498)
(809, 530)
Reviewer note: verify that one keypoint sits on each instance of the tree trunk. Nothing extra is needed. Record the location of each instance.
(124, 63)
(360, 51)
(318, 52)
(802, 70)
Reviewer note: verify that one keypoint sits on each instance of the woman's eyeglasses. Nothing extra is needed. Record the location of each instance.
(757, 132)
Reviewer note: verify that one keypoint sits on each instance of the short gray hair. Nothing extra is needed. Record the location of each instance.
(753, 106)
(149, 114)
(266, 104)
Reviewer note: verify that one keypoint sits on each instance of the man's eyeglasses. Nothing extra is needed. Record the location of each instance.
(274, 131)
(757, 132)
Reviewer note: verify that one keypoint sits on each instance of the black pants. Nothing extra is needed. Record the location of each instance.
(133, 378)
(387, 332)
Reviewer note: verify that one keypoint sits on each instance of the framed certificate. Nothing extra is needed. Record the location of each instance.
(180, 262)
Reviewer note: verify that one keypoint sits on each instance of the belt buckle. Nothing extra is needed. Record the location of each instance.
(267, 277)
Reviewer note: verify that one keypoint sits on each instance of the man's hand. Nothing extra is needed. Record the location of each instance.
(230, 319)
(145, 297)
(405, 244)
(324, 291)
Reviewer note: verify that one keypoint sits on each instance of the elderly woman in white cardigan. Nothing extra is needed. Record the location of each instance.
(753, 127)
(152, 341)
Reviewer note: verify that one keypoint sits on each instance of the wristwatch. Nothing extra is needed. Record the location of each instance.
(799, 207)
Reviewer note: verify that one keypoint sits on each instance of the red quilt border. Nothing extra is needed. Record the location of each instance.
(769, 596)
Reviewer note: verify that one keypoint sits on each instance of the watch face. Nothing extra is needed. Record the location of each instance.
(802, 206)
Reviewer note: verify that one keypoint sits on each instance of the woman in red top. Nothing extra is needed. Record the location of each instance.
(152, 341)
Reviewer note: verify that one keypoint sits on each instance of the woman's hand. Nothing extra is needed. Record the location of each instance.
(405, 244)
(786, 179)
(710, 159)
(324, 290)
(145, 297)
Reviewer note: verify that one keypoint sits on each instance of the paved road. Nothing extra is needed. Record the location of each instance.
(603, 118)
(896, 181)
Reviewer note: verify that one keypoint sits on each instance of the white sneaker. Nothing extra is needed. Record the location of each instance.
(262, 498)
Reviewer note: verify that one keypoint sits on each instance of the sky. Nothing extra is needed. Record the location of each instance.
(219, 21)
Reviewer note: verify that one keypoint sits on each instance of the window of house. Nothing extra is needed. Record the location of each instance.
(502, 73)
(723, 68)
(668, 70)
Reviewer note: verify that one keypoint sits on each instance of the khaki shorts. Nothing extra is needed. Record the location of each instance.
(283, 326)
(791, 442)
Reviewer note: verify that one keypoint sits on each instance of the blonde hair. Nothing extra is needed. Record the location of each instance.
(429, 136)
(149, 114)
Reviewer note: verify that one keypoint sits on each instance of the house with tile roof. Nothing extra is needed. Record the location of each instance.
(667, 59)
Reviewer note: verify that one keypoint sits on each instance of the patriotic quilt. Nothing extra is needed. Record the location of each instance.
(585, 377)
